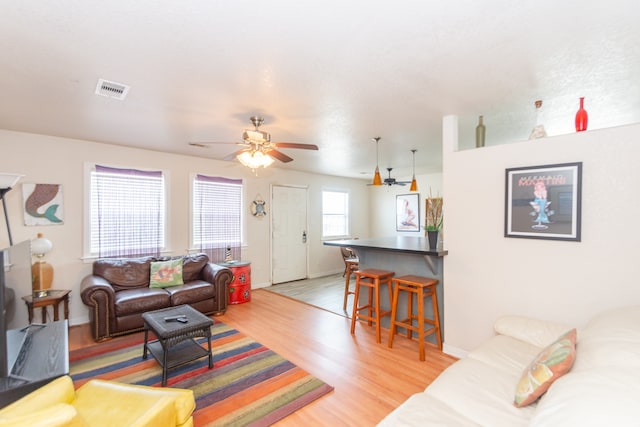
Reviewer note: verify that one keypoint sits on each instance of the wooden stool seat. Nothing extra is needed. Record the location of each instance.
(351, 267)
(421, 287)
(371, 311)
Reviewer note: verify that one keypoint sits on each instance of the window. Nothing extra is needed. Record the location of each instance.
(127, 212)
(335, 214)
(217, 217)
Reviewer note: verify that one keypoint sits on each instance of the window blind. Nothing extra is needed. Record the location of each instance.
(127, 212)
(217, 214)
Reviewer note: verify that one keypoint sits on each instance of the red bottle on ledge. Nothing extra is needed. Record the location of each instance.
(582, 118)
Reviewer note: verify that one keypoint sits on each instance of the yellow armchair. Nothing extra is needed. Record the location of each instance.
(100, 403)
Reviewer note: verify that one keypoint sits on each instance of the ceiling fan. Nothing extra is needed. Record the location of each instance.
(258, 150)
(392, 181)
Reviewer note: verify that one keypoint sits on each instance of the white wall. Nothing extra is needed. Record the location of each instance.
(383, 204)
(488, 275)
(46, 159)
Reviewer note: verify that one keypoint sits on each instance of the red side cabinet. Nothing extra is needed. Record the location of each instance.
(240, 287)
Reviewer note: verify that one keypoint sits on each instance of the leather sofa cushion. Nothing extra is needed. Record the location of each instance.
(124, 273)
(192, 265)
(140, 300)
(191, 292)
(132, 273)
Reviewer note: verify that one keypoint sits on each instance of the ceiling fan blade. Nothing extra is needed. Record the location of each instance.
(278, 155)
(295, 145)
(234, 154)
(199, 144)
(206, 144)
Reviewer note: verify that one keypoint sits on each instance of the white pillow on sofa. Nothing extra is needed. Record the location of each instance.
(593, 398)
(540, 333)
(611, 338)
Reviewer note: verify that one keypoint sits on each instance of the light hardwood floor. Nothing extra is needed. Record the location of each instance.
(370, 379)
(324, 292)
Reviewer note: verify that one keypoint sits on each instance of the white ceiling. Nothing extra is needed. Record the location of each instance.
(332, 73)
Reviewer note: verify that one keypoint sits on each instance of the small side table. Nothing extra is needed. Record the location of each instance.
(53, 298)
(240, 286)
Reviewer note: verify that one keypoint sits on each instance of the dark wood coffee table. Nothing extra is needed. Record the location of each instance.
(175, 345)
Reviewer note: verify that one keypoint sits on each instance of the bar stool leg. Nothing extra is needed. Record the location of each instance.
(346, 290)
(436, 318)
(370, 304)
(394, 313)
(377, 295)
(410, 315)
(420, 298)
(354, 312)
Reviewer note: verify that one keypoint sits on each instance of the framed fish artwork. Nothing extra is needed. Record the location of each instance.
(43, 204)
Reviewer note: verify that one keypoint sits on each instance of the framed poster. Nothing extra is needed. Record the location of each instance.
(43, 204)
(544, 202)
(408, 212)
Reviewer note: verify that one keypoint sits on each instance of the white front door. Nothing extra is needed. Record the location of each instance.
(288, 233)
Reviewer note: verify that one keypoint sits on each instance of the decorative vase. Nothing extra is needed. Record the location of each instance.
(538, 130)
(433, 239)
(480, 132)
(582, 118)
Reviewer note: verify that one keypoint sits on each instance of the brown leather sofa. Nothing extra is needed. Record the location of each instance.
(118, 292)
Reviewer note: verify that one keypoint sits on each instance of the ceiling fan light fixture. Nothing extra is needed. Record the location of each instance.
(256, 136)
(255, 159)
(414, 183)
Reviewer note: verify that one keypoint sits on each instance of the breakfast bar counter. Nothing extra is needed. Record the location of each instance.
(402, 255)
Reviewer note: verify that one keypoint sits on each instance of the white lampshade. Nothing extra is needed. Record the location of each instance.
(255, 159)
(8, 180)
(41, 246)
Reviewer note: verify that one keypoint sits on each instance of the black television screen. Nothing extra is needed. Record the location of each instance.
(17, 278)
(4, 370)
(30, 355)
(15, 281)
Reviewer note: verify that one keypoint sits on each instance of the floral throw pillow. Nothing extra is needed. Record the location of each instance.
(166, 273)
(552, 362)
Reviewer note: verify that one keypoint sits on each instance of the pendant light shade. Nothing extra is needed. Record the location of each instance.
(414, 183)
(377, 180)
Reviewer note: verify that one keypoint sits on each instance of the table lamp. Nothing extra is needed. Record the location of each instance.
(41, 271)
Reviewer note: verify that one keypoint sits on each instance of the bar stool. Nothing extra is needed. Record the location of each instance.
(351, 267)
(373, 279)
(347, 255)
(421, 287)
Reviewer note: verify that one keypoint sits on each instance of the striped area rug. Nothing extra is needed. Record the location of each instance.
(249, 384)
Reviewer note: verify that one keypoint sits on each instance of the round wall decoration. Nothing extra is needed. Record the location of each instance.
(258, 207)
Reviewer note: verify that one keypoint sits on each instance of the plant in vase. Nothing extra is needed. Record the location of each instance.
(433, 220)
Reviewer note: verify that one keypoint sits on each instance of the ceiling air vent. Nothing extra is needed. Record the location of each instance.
(111, 89)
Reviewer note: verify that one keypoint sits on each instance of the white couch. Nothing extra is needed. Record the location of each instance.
(602, 387)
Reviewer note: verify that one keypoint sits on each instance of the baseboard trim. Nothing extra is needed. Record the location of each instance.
(454, 351)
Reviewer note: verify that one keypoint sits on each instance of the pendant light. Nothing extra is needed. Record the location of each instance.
(414, 183)
(376, 176)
